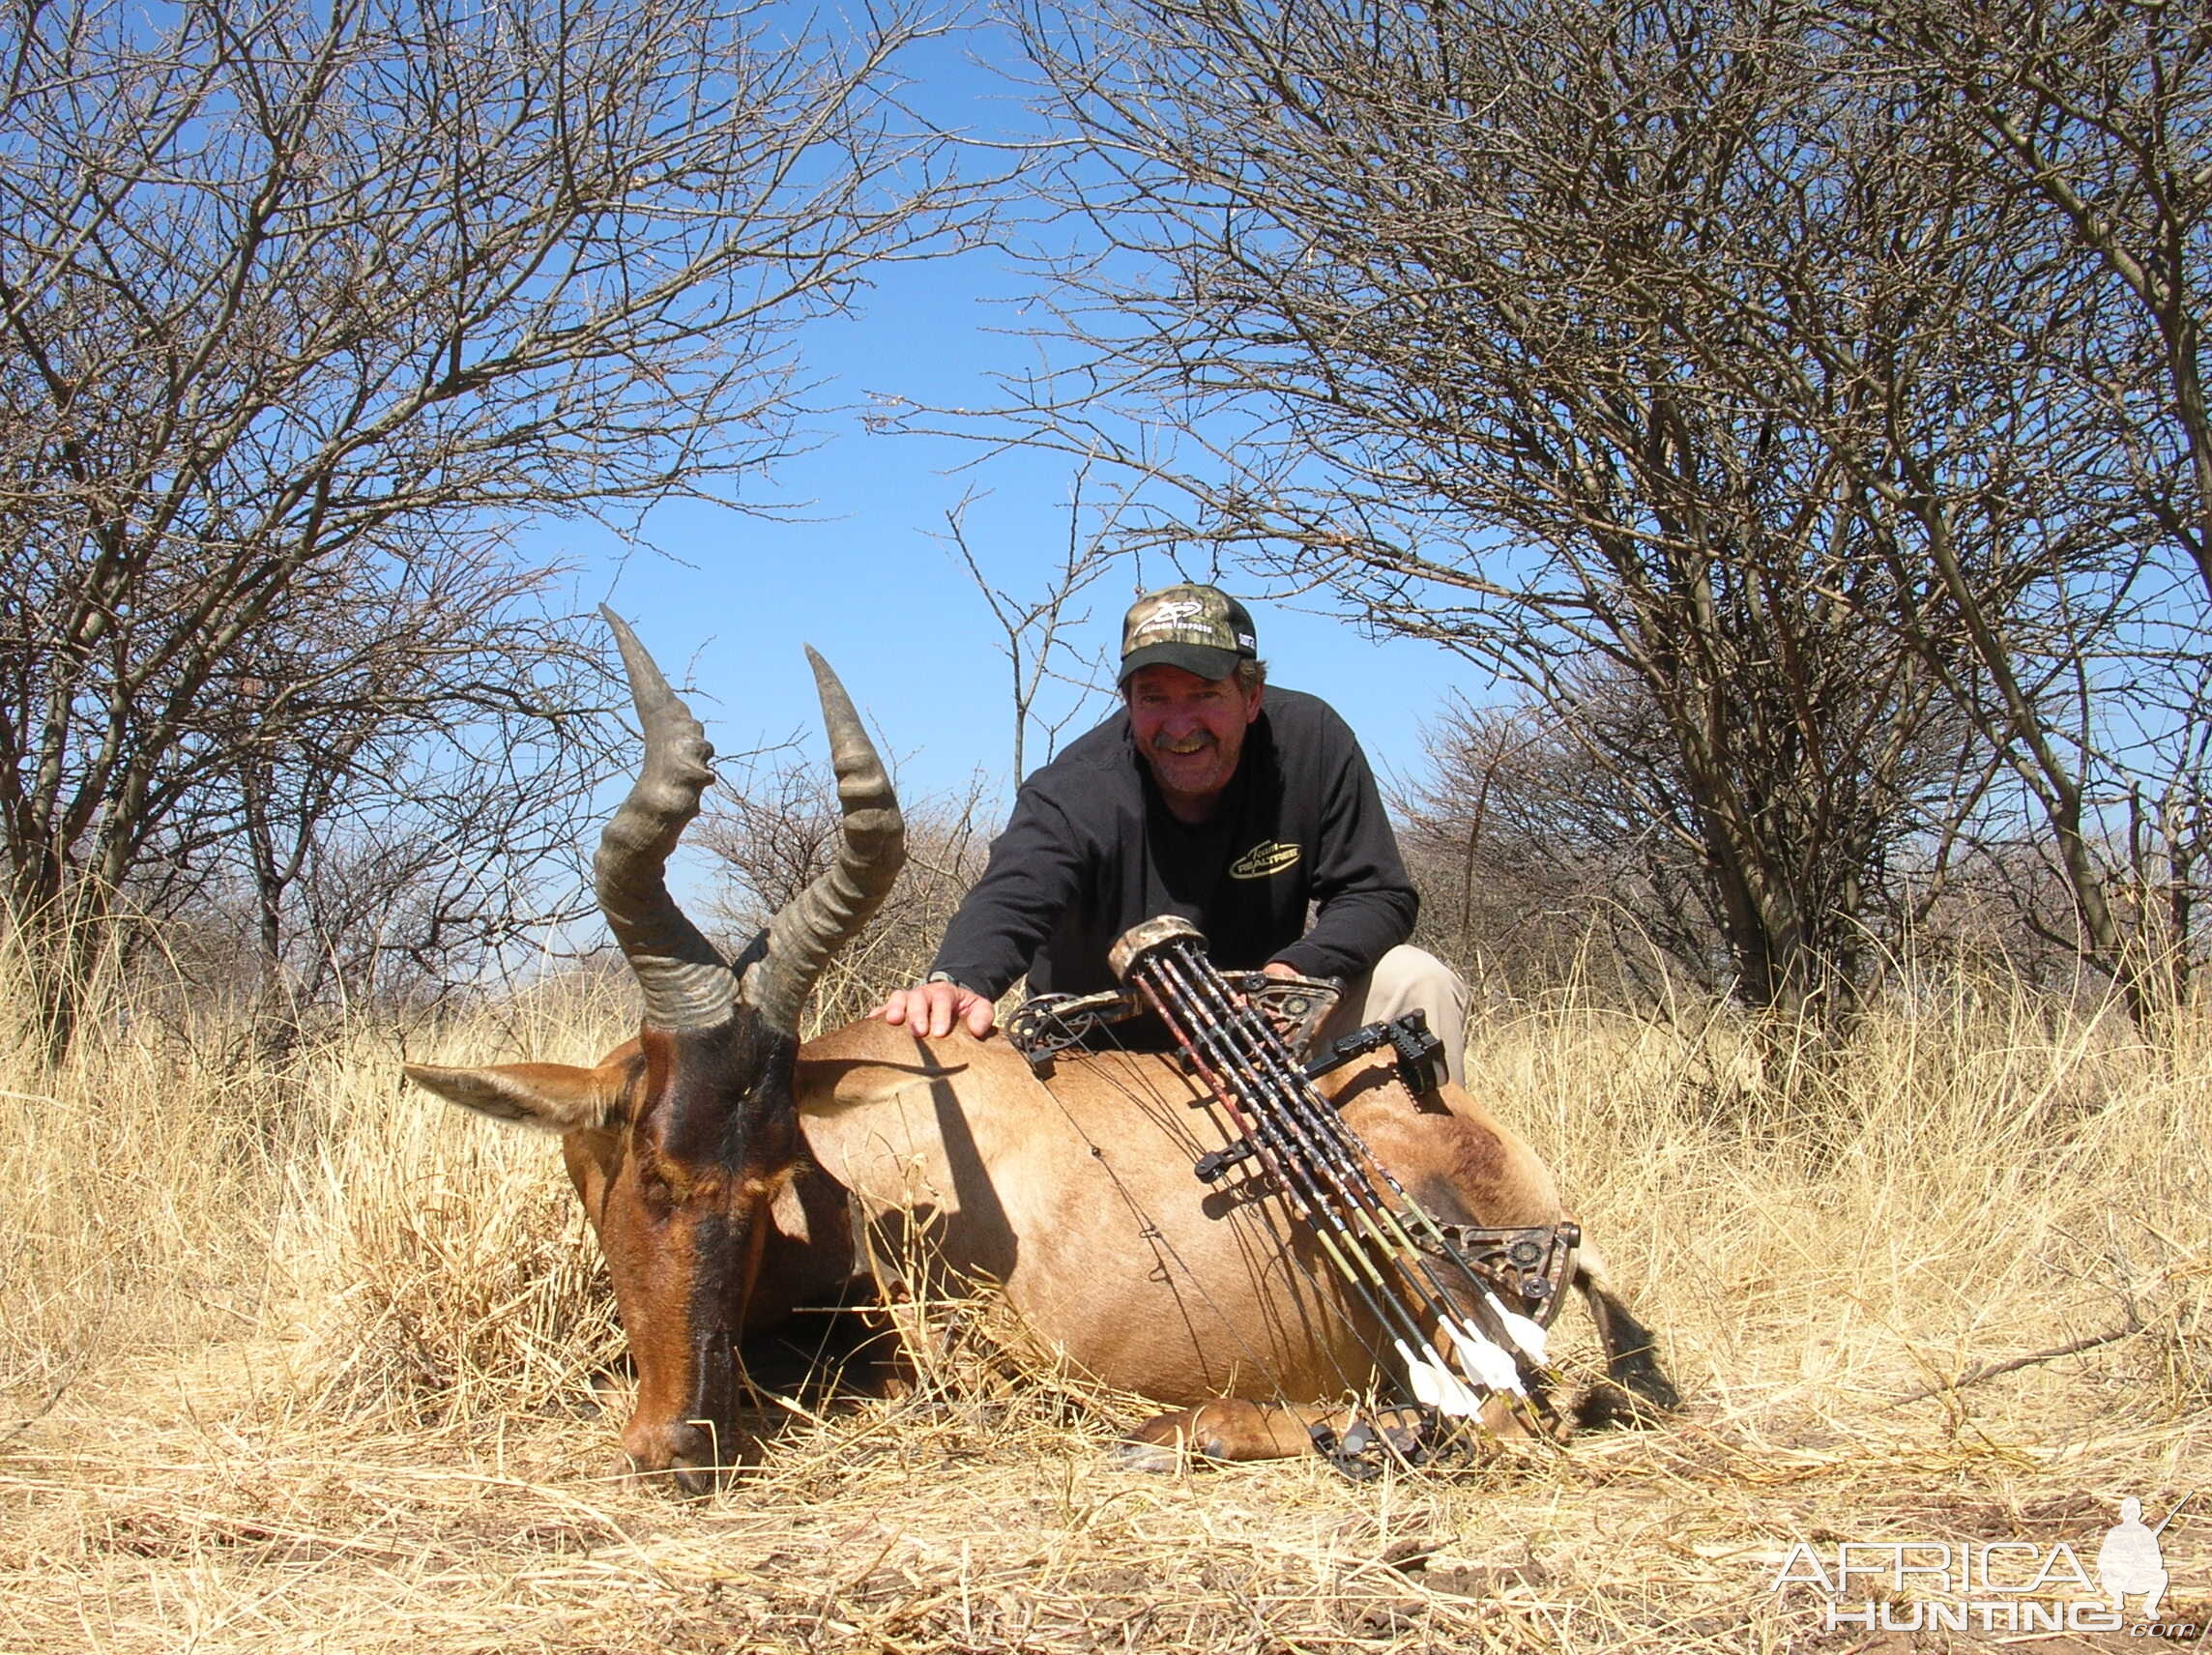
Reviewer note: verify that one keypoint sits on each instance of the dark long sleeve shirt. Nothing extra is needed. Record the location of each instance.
(1091, 850)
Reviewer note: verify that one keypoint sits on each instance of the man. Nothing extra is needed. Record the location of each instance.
(1208, 797)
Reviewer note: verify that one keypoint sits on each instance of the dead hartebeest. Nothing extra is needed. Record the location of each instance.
(733, 1175)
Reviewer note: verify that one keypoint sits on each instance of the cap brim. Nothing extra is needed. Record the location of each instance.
(1209, 664)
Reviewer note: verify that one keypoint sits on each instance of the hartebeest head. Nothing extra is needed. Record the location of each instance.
(679, 1140)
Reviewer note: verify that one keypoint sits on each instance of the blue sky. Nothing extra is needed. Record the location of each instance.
(867, 577)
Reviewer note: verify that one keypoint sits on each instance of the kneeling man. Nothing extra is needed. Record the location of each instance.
(1210, 797)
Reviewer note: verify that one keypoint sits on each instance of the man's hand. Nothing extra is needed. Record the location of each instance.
(1276, 968)
(933, 1008)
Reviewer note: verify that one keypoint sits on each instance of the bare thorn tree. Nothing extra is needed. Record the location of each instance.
(772, 822)
(2095, 122)
(1035, 628)
(1526, 847)
(304, 307)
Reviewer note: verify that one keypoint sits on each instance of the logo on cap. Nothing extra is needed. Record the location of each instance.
(1177, 614)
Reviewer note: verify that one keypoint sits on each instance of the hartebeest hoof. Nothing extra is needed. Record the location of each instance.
(1636, 1390)
(1131, 1455)
(1229, 1430)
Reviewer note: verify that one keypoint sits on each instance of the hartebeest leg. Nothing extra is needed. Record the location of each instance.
(1228, 1429)
(1232, 1429)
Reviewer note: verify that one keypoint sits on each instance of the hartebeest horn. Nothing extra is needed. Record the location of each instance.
(871, 848)
(687, 982)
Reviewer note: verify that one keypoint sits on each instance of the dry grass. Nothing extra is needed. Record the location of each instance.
(302, 1362)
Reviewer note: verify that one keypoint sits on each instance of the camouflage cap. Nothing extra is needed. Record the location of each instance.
(1199, 628)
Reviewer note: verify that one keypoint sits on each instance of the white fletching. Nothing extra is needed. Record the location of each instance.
(1421, 1376)
(1487, 1362)
(1437, 1386)
(1467, 1403)
(1521, 1329)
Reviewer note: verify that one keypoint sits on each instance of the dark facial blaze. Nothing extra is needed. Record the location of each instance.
(681, 1218)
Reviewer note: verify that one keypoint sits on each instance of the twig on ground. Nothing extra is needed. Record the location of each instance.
(46, 1405)
(1992, 1369)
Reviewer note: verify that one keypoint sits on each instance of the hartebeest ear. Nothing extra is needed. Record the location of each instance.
(553, 1096)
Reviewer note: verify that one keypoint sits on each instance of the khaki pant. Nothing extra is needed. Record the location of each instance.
(1408, 979)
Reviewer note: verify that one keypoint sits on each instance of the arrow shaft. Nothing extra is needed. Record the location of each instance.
(1278, 1154)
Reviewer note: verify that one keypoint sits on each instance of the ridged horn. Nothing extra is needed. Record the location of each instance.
(687, 982)
(870, 850)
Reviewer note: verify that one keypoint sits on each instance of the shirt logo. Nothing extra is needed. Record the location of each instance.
(1262, 859)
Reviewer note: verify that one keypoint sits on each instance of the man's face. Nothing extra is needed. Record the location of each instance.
(1189, 729)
